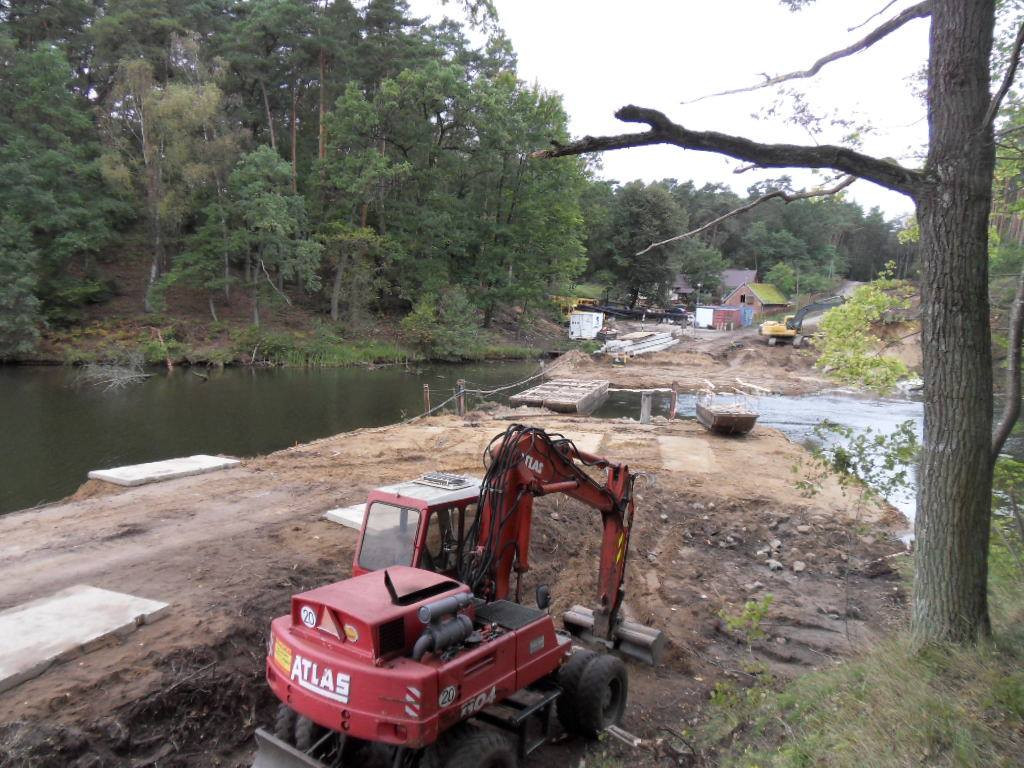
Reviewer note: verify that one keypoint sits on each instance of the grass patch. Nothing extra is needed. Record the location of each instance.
(945, 706)
(589, 291)
(320, 349)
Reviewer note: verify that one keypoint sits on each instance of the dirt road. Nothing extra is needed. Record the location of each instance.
(227, 550)
(726, 359)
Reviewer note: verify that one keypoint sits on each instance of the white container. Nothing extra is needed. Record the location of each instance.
(585, 325)
(704, 317)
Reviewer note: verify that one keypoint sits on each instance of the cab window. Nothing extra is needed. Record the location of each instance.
(389, 536)
(443, 546)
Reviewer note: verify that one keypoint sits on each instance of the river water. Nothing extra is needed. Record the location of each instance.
(53, 430)
(797, 416)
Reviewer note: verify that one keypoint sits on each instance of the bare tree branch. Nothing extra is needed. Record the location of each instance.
(1011, 410)
(1004, 87)
(875, 15)
(919, 11)
(779, 194)
(886, 173)
(278, 290)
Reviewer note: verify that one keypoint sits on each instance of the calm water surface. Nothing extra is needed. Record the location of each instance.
(52, 431)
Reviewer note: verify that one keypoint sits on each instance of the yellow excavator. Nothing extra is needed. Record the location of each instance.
(790, 328)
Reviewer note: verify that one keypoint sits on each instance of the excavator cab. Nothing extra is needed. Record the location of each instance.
(423, 523)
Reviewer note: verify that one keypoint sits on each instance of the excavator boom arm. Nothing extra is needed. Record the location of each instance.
(795, 323)
(526, 462)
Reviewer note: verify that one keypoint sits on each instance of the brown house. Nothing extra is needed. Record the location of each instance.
(765, 298)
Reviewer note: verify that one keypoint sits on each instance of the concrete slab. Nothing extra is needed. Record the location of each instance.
(686, 454)
(348, 516)
(588, 442)
(76, 620)
(156, 471)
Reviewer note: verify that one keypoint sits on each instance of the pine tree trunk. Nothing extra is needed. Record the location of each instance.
(322, 131)
(953, 507)
(255, 295)
(294, 130)
(270, 116)
(336, 291)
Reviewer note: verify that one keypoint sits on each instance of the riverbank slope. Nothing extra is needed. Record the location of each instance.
(227, 550)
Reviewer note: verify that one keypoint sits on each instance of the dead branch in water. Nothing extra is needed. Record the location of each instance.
(117, 375)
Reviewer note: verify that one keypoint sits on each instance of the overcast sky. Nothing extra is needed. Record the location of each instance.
(603, 54)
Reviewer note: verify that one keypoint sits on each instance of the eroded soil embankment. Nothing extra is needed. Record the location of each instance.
(227, 550)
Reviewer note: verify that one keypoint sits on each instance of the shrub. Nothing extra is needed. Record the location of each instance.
(442, 326)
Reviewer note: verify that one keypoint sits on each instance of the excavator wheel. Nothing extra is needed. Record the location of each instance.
(481, 748)
(307, 733)
(569, 680)
(601, 695)
(284, 724)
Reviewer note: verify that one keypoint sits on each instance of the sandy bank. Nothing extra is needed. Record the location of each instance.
(227, 550)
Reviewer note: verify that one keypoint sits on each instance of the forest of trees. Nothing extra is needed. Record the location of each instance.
(344, 156)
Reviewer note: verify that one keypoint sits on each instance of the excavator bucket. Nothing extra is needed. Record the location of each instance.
(273, 753)
(637, 641)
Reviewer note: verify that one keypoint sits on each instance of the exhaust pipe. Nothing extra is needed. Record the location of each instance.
(637, 641)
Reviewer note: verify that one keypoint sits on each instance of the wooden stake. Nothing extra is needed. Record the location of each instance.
(426, 398)
(460, 397)
(673, 400)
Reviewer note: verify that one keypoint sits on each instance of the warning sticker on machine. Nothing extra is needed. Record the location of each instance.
(283, 656)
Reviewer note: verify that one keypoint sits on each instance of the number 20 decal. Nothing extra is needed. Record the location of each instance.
(478, 702)
(448, 696)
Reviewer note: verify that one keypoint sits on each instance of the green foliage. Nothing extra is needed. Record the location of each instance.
(850, 352)
(323, 348)
(19, 308)
(783, 277)
(415, 178)
(876, 462)
(50, 166)
(441, 326)
(749, 620)
(641, 215)
(1006, 557)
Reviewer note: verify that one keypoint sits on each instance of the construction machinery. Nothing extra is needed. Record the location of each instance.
(789, 330)
(427, 656)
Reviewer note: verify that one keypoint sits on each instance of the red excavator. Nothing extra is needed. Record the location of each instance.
(423, 658)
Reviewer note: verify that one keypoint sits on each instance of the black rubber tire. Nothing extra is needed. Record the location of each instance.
(366, 754)
(568, 680)
(307, 733)
(284, 724)
(601, 695)
(481, 748)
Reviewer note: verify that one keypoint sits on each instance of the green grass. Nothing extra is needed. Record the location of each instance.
(322, 349)
(945, 706)
(588, 291)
